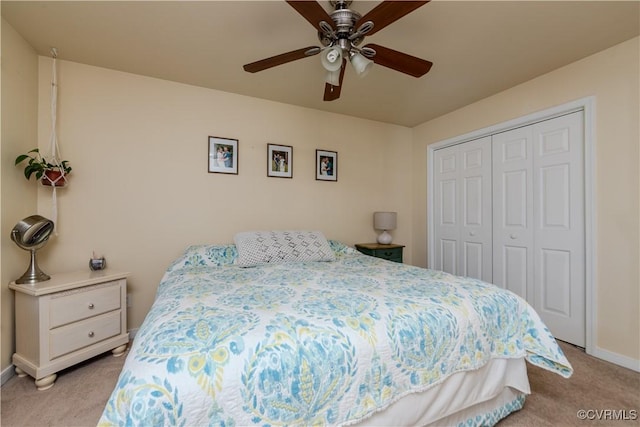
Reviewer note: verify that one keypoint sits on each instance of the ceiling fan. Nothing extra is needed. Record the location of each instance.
(341, 33)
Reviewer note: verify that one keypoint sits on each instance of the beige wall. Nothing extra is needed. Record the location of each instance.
(19, 89)
(612, 76)
(140, 192)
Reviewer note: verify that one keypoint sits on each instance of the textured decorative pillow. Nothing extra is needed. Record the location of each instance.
(270, 247)
(340, 249)
(205, 256)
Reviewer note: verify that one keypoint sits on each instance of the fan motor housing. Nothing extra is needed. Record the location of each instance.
(344, 20)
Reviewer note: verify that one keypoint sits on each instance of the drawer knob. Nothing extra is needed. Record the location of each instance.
(91, 334)
(388, 253)
(91, 306)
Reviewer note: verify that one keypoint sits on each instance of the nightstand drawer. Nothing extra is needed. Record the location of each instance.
(82, 334)
(71, 306)
(390, 252)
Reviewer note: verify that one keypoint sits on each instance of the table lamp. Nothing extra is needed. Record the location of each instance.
(384, 221)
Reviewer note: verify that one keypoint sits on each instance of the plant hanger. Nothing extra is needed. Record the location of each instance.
(49, 170)
(61, 179)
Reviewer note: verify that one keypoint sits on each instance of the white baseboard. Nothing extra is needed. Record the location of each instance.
(7, 374)
(618, 359)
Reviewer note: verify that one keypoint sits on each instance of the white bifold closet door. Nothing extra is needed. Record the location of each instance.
(509, 209)
(538, 220)
(463, 209)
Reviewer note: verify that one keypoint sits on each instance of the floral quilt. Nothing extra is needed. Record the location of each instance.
(312, 343)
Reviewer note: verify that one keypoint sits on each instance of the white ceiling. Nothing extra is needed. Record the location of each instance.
(478, 48)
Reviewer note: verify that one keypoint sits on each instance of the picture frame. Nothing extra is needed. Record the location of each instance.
(326, 165)
(279, 161)
(223, 155)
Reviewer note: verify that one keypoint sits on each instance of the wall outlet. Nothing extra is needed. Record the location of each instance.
(128, 300)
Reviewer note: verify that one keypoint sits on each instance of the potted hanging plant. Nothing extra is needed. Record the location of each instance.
(48, 171)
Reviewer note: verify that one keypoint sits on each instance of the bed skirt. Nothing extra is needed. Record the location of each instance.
(472, 398)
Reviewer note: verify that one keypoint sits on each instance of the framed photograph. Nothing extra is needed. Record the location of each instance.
(279, 161)
(223, 155)
(326, 165)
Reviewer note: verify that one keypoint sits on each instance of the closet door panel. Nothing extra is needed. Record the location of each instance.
(472, 260)
(559, 226)
(555, 280)
(513, 211)
(514, 272)
(448, 205)
(514, 199)
(446, 231)
(449, 256)
(476, 254)
(555, 196)
(462, 213)
(473, 201)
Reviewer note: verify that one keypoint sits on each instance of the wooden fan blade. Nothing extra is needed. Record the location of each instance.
(399, 61)
(283, 58)
(312, 12)
(388, 12)
(331, 92)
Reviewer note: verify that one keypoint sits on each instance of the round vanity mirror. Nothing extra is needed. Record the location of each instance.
(31, 234)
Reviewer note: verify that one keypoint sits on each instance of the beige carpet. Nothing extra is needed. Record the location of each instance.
(80, 393)
(594, 385)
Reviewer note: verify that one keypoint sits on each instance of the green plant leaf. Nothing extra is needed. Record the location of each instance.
(21, 158)
(28, 171)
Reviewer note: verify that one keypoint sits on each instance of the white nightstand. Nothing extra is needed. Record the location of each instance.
(67, 319)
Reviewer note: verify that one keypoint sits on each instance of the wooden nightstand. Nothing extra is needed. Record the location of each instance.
(67, 319)
(390, 252)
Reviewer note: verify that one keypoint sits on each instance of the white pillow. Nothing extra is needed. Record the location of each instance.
(272, 247)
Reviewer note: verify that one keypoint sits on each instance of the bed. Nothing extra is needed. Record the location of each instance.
(306, 331)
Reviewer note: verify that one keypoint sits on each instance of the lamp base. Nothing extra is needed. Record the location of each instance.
(33, 274)
(384, 238)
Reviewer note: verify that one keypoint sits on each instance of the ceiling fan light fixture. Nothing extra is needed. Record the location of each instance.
(361, 64)
(333, 77)
(340, 33)
(332, 58)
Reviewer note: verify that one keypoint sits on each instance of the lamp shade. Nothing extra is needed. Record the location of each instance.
(385, 220)
(361, 64)
(333, 77)
(331, 59)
